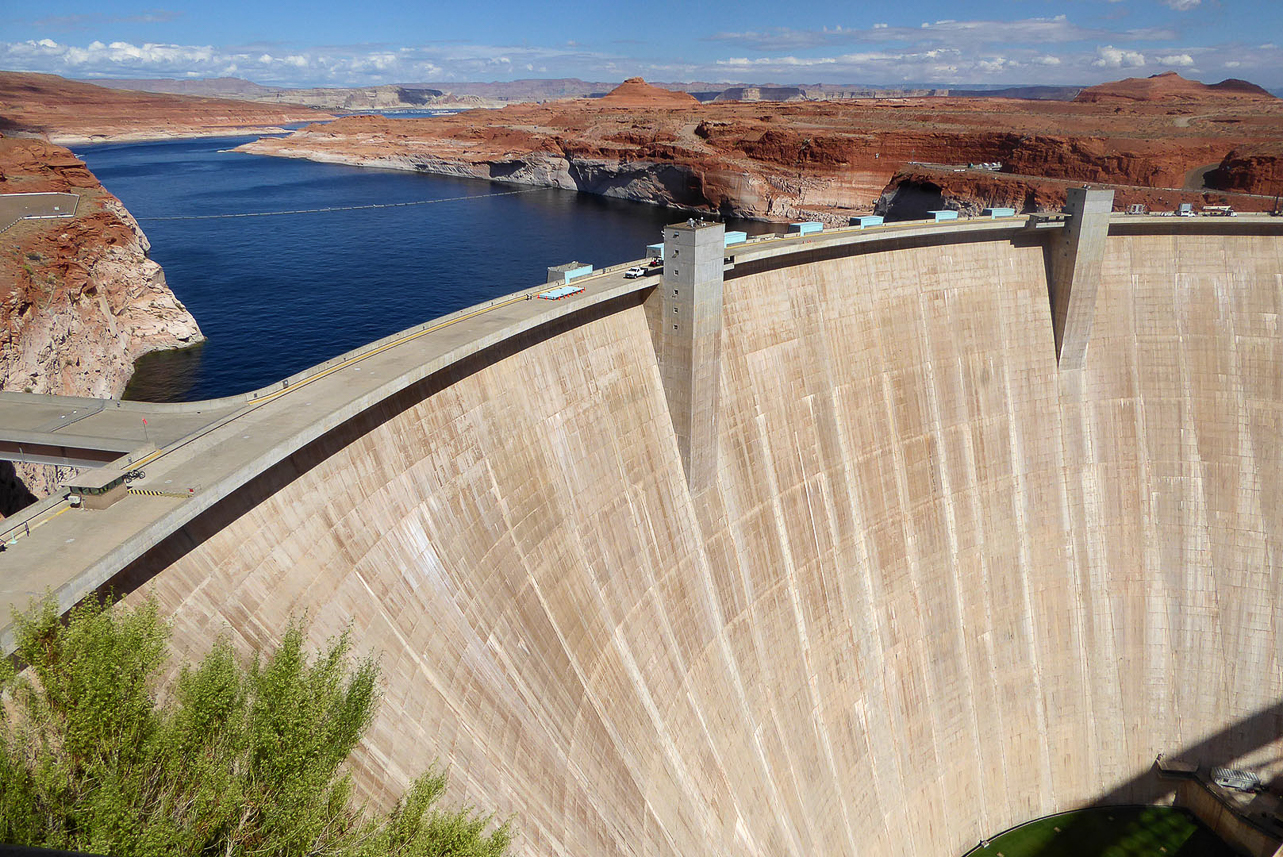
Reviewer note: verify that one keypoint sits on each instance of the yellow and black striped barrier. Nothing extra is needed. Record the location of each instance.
(152, 492)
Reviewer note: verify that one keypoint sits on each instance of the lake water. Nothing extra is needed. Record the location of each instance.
(275, 295)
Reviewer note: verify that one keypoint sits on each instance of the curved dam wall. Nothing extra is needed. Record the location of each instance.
(938, 586)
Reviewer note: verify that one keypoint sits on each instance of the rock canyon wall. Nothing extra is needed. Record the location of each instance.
(81, 300)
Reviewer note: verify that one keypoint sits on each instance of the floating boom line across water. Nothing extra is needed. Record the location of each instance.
(339, 207)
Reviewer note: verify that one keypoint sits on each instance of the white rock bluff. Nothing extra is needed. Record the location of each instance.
(88, 303)
(85, 340)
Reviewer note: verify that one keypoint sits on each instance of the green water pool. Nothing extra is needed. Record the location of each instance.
(1137, 831)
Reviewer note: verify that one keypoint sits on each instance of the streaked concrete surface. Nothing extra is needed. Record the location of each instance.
(939, 586)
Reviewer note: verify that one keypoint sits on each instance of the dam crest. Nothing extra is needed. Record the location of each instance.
(954, 526)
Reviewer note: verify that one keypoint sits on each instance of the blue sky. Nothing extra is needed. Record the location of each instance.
(329, 43)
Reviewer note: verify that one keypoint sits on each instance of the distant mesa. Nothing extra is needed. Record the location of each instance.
(1170, 85)
(1242, 87)
(211, 87)
(762, 93)
(635, 92)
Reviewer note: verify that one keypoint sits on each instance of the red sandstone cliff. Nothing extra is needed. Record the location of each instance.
(80, 301)
(824, 160)
(635, 92)
(1252, 169)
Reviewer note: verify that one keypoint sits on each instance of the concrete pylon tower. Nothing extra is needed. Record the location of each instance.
(1076, 256)
(685, 315)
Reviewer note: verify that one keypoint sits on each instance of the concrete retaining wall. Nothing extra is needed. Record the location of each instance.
(1228, 825)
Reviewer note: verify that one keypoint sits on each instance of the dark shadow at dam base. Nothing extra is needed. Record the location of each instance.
(1220, 749)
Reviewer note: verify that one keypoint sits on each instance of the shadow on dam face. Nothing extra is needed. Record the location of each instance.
(937, 588)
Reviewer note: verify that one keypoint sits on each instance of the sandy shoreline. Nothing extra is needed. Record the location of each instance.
(150, 135)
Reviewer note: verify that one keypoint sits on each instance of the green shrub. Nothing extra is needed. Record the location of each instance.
(235, 762)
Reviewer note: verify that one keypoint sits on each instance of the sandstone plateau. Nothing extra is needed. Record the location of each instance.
(71, 111)
(80, 300)
(1157, 143)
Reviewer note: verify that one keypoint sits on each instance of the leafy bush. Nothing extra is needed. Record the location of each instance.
(235, 761)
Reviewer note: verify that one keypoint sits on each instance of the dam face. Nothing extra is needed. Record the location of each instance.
(937, 586)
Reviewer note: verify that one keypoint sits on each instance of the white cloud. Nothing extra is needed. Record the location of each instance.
(97, 19)
(777, 62)
(1182, 5)
(992, 65)
(1112, 57)
(943, 53)
(954, 33)
(333, 66)
(48, 55)
(953, 66)
(1233, 64)
(975, 35)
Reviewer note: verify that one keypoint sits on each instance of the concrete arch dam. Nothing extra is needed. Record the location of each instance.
(913, 581)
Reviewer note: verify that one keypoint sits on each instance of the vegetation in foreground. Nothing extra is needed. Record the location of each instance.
(1117, 831)
(234, 761)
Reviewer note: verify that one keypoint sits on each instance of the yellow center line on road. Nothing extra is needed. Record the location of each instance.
(21, 532)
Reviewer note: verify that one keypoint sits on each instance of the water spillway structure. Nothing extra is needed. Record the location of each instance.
(876, 542)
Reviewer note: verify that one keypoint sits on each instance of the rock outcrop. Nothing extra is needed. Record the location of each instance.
(1254, 169)
(636, 92)
(820, 160)
(81, 299)
(1170, 86)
